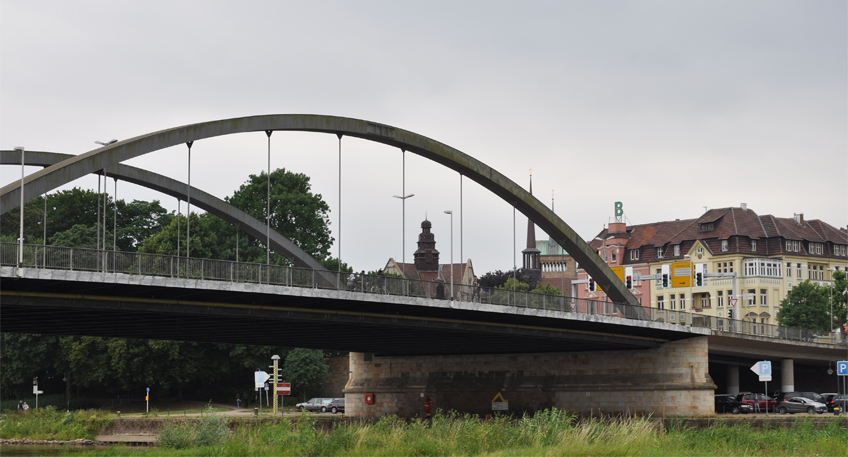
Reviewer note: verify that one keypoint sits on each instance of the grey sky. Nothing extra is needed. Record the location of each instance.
(666, 106)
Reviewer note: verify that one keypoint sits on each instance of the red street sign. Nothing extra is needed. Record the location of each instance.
(283, 388)
(733, 302)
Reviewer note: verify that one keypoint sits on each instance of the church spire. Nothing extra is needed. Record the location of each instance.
(531, 255)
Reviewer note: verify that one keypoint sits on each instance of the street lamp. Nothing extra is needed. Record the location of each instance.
(451, 259)
(403, 230)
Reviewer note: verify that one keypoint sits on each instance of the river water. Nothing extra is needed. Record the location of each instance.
(36, 450)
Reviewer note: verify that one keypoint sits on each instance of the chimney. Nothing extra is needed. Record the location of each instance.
(799, 218)
(744, 206)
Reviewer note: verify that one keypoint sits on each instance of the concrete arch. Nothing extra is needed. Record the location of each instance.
(109, 156)
(174, 188)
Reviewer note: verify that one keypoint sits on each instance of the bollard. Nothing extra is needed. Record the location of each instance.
(119, 414)
(256, 411)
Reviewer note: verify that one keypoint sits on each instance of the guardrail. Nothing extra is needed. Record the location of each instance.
(136, 263)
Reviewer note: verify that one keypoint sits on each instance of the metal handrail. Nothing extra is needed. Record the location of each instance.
(136, 263)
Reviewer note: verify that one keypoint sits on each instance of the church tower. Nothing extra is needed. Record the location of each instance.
(531, 255)
(426, 257)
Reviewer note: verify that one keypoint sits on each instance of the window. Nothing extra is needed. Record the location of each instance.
(763, 294)
(809, 271)
(720, 300)
(720, 314)
(660, 302)
(605, 256)
(682, 301)
(799, 271)
(659, 253)
(613, 252)
(788, 269)
(676, 250)
(704, 302)
(752, 297)
(754, 245)
(788, 246)
(707, 227)
(700, 250)
(634, 254)
(731, 267)
(671, 302)
(762, 267)
(724, 245)
(796, 246)
(729, 294)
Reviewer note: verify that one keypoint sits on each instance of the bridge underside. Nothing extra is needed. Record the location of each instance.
(332, 320)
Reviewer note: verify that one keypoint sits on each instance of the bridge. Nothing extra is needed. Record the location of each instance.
(402, 339)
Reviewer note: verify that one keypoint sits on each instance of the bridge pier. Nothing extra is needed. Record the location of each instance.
(670, 380)
(733, 379)
(787, 375)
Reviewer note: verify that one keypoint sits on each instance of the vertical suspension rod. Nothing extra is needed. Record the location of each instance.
(340, 207)
(188, 206)
(268, 206)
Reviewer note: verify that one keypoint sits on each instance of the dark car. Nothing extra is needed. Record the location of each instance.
(800, 405)
(834, 401)
(729, 404)
(766, 403)
(336, 405)
(784, 396)
(314, 405)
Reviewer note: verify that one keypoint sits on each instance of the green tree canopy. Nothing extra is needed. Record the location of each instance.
(296, 212)
(307, 370)
(806, 306)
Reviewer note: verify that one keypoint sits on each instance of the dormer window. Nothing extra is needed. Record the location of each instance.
(676, 250)
(613, 255)
(754, 245)
(708, 226)
(724, 245)
(659, 253)
(634, 254)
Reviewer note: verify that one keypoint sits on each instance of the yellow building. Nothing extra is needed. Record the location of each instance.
(768, 254)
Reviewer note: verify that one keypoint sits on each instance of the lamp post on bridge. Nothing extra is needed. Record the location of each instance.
(449, 212)
(403, 230)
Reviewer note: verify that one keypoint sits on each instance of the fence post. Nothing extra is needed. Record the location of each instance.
(202, 268)
(71, 260)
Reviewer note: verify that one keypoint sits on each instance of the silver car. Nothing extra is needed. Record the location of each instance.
(801, 405)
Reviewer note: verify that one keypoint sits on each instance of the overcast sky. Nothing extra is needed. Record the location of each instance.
(669, 107)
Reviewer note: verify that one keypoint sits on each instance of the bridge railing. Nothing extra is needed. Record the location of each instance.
(136, 263)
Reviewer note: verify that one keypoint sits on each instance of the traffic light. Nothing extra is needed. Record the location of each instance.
(699, 274)
(666, 272)
(628, 277)
(591, 285)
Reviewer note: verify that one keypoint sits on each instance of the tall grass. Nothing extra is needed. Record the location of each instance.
(548, 433)
(50, 424)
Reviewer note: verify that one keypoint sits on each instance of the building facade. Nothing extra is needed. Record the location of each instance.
(768, 254)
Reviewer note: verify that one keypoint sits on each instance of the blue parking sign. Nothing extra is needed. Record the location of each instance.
(842, 368)
(765, 368)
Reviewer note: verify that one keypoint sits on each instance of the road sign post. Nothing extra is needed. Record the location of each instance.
(147, 399)
(276, 360)
(763, 369)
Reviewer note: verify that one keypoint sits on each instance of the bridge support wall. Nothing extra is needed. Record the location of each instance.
(670, 380)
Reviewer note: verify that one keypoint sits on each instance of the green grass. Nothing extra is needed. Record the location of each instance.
(550, 433)
(50, 424)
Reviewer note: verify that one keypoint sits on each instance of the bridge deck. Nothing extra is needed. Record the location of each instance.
(118, 305)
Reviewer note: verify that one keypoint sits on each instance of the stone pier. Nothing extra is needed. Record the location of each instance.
(670, 380)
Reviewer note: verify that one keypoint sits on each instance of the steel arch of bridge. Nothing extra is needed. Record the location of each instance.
(174, 188)
(108, 156)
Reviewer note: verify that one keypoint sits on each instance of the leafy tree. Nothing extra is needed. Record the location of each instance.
(296, 212)
(840, 298)
(78, 236)
(24, 357)
(307, 370)
(494, 279)
(203, 243)
(513, 284)
(806, 306)
(546, 289)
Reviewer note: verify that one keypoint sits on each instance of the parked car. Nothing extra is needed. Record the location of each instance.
(314, 405)
(834, 401)
(336, 406)
(801, 405)
(766, 403)
(729, 404)
(784, 396)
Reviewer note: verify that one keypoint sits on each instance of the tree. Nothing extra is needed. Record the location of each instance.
(307, 371)
(840, 299)
(296, 212)
(78, 236)
(806, 306)
(203, 243)
(546, 289)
